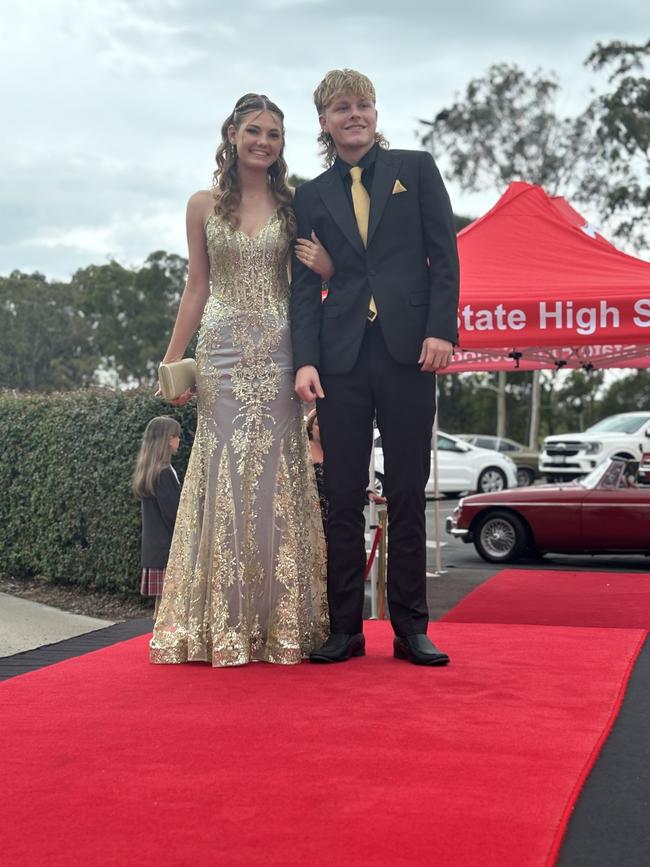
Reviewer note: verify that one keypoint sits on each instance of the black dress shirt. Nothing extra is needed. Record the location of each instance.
(367, 163)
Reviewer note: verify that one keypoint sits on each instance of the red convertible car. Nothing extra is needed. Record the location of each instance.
(605, 512)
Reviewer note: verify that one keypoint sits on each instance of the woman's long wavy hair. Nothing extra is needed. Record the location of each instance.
(155, 454)
(335, 83)
(226, 186)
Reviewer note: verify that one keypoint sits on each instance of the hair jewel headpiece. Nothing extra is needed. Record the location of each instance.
(252, 101)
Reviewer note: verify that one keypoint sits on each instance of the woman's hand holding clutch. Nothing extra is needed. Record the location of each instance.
(181, 400)
(184, 398)
(177, 381)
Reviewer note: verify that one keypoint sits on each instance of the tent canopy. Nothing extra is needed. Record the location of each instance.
(541, 289)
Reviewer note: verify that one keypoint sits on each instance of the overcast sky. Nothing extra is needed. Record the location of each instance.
(111, 109)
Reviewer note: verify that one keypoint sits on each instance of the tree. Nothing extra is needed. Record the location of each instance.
(460, 222)
(617, 179)
(296, 181)
(103, 294)
(572, 405)
(159, 285)
(466, 403)
(630, 392)
(45, 339)
(506, 128)
(108, 324)
(131, 312)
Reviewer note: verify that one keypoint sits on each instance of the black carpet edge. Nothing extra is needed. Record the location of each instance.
(609, 825)
(49, 654)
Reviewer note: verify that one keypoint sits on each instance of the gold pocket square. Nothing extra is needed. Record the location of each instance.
(398, 188)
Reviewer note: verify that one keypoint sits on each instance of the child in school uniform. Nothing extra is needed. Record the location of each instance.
(156, 485)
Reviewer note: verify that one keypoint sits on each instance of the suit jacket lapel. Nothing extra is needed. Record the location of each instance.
(330, 187)
(386, 168)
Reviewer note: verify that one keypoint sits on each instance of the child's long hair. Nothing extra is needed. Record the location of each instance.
(155, 454)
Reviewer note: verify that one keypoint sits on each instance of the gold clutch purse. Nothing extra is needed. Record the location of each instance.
(176, 377)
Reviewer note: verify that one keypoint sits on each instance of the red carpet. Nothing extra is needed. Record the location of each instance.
(607, 599)
(107, 760)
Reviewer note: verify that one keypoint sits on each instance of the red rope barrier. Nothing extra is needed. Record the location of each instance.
(373, 551)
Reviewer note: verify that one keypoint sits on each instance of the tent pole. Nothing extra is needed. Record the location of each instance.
(373, 530)
(436, 489)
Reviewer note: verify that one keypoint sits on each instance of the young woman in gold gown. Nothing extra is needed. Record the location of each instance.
(245, 579)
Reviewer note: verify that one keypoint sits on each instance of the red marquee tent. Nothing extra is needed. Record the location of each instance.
(541, 289)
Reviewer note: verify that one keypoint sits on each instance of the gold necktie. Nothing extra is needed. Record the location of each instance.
(361, 205)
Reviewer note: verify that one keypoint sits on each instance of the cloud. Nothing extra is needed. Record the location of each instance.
(112, 108)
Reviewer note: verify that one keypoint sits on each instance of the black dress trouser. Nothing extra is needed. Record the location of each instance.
(403, 399)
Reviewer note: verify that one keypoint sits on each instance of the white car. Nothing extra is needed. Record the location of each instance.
(571, 455)
(461, 467)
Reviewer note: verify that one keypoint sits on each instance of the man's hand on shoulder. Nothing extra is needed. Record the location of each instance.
(308, 386)
(436, 354)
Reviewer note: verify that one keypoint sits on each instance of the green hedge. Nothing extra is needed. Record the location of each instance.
(66, 509)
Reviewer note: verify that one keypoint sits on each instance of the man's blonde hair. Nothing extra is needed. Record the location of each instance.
(342, 81)
(336, 82)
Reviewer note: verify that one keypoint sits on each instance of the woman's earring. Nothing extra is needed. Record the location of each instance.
(233, 150)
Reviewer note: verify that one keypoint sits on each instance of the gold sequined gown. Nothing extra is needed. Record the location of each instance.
(245, 578)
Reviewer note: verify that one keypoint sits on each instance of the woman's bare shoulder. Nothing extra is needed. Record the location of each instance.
(202, 196)
(201, 199)
(200, 205)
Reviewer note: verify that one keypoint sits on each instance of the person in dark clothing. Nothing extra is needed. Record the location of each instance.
(370, 351)
(318, 462)
(316, 450)
(156, 485)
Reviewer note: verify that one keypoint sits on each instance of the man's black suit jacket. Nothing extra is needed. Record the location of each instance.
(410, 265)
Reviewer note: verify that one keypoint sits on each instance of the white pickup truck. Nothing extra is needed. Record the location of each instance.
(569, 456)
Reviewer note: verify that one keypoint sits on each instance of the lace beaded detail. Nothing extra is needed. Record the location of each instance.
(245, 579)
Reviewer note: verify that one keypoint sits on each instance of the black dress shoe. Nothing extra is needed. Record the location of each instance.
(418, 649)
(339, 647)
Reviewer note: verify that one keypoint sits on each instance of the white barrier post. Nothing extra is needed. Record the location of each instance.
(373, 530)
(436, 491)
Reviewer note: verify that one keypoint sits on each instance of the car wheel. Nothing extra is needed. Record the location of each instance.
(500, 537)
(525, 477)
(491, 479)
(379, 484)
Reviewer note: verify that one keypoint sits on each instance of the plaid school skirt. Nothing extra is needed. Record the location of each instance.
(151, 583)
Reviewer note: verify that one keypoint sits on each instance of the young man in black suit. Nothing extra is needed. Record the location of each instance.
(372, 348)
